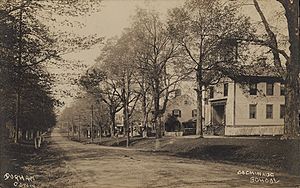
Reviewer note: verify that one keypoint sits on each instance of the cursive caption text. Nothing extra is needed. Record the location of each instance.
(259, 177)
(20, 180)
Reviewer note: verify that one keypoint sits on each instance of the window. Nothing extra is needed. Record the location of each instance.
(225, 89)
(252, 111)
(211, 92)
(194, 113)
(282, 89)
(282, 111)
(176, 112)
(253, 89)
(269, 111)
(177, 92)
(270, 89)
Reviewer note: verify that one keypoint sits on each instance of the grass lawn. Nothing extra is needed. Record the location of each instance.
(24, 160)
(270, 153)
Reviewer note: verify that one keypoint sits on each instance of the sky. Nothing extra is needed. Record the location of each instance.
(115, 15)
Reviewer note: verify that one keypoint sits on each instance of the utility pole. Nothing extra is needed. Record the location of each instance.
(68, 127)
(79, 117)
(92, 117)
(73, 130)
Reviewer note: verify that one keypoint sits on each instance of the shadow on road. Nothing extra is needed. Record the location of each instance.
(45, 164)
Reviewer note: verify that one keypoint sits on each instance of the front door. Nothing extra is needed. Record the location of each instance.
(218, 115)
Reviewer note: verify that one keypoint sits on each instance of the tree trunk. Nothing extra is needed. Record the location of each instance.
(35, 142)
(272, 39)
(291, 129)
(145, 127)
(92, 122)
(17, 117)
(145, 118)
(291, 119)
(72, 130)
(31, 134)
(39, 139)
(113, 125)
(125, 100)
(35, 139)
(156, 111)
(68, 127)
(131, 129)
(199, 123)
(100, 138)
(126, 123)
(79, 131)
(26, 135)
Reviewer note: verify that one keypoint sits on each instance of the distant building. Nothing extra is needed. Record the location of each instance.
(183, 107)
(135, 125)
(119, 122)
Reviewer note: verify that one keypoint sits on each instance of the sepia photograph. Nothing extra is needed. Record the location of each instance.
(149, 93)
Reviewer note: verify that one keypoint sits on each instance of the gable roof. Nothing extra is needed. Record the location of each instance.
(255, 73)
(256, 79)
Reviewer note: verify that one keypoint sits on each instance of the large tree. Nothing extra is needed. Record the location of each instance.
(23, 49)
(116, 86)
(208, 33)
(145, 99)
(98, 83)
(156, 56)
(30, 40)
(118, 61)
(86, 110)
(287, 64)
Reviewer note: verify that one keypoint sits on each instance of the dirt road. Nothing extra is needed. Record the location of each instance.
(104, 167)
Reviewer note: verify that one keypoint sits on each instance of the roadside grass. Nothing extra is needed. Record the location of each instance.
(44, 164)
(275, 154)
(262, 152)
(268, 153)
(12, 158)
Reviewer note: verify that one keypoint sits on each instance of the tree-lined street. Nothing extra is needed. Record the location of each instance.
(162, 69)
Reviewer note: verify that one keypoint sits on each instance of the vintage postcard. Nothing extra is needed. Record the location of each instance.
(149, 93)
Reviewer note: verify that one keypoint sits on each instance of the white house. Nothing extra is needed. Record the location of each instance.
(248, 105)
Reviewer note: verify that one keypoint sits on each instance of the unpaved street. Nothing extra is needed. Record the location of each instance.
(89, 165)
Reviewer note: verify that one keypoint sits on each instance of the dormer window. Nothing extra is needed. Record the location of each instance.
(177, 92)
